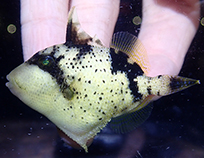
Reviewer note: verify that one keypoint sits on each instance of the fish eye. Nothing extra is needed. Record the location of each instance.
(46, 61)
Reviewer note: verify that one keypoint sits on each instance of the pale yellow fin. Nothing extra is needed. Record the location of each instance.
(132, 46)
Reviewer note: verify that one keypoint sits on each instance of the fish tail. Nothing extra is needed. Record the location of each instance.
(177, 83)
(163, 84)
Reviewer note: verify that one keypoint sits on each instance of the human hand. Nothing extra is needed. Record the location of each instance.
(167, 30)
(44, 22)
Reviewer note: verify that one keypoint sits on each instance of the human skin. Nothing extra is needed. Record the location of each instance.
(167, 29)
(44, 23)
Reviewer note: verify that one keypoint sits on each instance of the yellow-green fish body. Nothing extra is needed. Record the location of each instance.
(81, 85)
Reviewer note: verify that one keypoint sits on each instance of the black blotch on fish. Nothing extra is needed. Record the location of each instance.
(84, 49)
(72, 36)
(120, 63)
(149, 89)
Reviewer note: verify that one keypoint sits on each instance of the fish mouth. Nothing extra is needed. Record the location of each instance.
(8, 84)
(13, 85)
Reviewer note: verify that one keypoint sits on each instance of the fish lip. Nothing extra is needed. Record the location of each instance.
(7, 77)
(8, 84)
(12, 84)
(14, 87)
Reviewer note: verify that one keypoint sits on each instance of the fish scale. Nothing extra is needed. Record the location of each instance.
(81, 85)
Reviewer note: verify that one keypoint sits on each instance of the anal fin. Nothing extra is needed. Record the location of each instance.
(128, 122)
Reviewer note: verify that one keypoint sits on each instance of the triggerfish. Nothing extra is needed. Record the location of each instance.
(81, 85)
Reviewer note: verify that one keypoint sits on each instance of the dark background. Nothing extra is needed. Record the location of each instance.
(174, 129)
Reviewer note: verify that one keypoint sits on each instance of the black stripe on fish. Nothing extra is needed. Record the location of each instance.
(50, 64)
(120, 63)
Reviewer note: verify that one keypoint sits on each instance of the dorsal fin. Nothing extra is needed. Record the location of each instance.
(132, 46)
(76, 34)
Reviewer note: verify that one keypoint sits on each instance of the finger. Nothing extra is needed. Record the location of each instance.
(167, 30)
(97, 17)
(43, 24)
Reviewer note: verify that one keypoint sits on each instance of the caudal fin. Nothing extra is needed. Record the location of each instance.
(178, 83)
(163, 84)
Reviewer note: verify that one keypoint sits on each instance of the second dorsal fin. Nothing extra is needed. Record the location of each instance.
(132, 46)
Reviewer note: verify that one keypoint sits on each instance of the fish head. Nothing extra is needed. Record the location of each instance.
(27, 82)
(34, 84)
